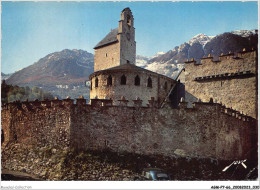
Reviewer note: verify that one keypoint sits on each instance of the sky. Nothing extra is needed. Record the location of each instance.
(32, 30)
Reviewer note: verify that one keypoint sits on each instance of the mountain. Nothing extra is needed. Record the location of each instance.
(141, 61)
(61, 73)
(64, 73)
(5, 76)
(199, 46)
(65, 67)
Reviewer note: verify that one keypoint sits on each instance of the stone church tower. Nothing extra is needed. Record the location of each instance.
(119, 46)
(116, 76)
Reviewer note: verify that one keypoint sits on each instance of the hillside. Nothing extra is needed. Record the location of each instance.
(61, 73)
(65, 67)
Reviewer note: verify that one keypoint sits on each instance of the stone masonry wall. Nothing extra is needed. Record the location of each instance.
(206, 130)
(37, 123)
(232, 80)
(127, 38)
(130, 91)
(107, 57)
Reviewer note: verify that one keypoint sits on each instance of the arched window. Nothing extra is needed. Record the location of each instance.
(129, 20)
(137, 80)
(96, 82)
(123, 80)
(165, 86)
(149, 82)
(109, 81)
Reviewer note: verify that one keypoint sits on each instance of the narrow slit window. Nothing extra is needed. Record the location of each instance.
(149, 82)
(123, 80)
(96, 82)
(137, 80)
(109, 81)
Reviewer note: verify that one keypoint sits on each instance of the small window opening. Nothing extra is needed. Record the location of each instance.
(128, 20)
(123, 80)
(109, 81)
(91, 85)
(15, 137)
(165, 86)
(106, 54)
(127, 61)
(137, 80)
(149, 82)
(96, 82)
(2, 136)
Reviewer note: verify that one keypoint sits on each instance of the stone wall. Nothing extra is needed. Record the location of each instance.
(206, 130)
(127, 38)
(161, 86)
(37, 123)
(232, 80)
(107, 57)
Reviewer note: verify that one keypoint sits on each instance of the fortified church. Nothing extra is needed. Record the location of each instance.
(135, 110)
(116, 75)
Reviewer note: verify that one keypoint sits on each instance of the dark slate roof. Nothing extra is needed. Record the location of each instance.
(127, 67)
(109, 39)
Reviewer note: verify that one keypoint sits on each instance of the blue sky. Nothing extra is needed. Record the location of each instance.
(31, 30)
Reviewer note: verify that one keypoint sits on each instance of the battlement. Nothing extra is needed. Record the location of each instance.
(232, 79)
(217, 107)
(81, 101)
(101, 125)
(231, 55)
(243, 74)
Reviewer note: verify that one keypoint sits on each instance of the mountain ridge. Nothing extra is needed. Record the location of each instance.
(66, 71)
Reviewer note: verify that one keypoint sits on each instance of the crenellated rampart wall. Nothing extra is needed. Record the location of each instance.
(205, 130)
(231, 80)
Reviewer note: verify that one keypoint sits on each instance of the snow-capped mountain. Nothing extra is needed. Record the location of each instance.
(199, 46)
(200, 38)
(158, 54)
(245, 33)
(141, 61)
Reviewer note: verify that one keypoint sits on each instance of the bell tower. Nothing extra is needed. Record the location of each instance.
(126, 33)
(119, 46)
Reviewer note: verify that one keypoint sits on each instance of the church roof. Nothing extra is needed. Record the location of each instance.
(127, 67)
(109, 39)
